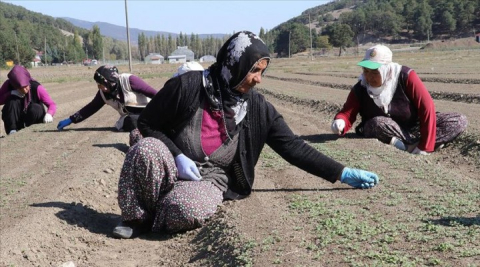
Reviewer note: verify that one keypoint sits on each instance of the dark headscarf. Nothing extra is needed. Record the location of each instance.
(107, 76)
(19, 77)
(235, 59)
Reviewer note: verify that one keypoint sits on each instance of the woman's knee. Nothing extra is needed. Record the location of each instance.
(186, 211)
(35, 114)
(372, 126)
(147, 146)
(454, 122)
(462, 122)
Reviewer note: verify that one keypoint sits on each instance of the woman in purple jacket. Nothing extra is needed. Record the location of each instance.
(24, 99)
(126, 93)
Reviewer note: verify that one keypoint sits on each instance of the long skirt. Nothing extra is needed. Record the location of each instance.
(148, 189)
(449, 126)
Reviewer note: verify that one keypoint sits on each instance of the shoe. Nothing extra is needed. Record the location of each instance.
(131, 229)
(398, 144)
(439, 147)
(412, 147)
(12, 132)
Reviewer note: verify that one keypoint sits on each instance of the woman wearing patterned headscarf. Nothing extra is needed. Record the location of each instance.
(24, 100)
(126, 93)
(396, 107)
(203, 148)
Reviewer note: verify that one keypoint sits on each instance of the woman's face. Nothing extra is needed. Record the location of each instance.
(373, 77)
(253, 77)
(24, 90)
(103, 88)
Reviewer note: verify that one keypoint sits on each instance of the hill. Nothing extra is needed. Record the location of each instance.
(23, 33)
(346, 23)
(120, 32)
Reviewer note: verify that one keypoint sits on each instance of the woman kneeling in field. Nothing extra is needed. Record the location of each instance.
(395, 107)
(25, 100)
(126, 93)
(204, 132)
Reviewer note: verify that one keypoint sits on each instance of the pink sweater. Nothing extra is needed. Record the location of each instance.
(41, 93)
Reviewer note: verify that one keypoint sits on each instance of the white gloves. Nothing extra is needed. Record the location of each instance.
(337, 126)
(417, 151)
(48, 118)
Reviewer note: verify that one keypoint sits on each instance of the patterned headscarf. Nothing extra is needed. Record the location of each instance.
(235, 59)
(107, 76)
(19, 77)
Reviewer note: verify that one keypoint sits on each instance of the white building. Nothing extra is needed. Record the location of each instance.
(177, 59)
(154, 58)
(207, 58)
(183, 50)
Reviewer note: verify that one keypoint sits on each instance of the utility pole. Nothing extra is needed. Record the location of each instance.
(311, 43)
(64, 59)
(128, 39)
(45, 52)
(288, 44)
(16, 43)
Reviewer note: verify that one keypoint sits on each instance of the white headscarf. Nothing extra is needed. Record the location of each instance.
(382, 96)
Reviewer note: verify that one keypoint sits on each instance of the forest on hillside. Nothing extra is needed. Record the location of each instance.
(340, 24)
(345, 23)
(24, 34)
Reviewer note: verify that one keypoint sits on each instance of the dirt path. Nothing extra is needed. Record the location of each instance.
(58, 200)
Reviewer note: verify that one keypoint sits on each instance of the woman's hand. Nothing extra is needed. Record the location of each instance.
(187, 169)
(337, 126)
(359, 178)
(48, 118)
(63, 124)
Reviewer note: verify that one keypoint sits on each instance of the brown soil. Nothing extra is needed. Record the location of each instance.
(58, 192)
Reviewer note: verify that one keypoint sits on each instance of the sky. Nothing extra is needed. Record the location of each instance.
(199, 17)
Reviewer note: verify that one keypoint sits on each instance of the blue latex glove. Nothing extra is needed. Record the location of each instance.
(187, 170)
(64, 123)
(359, 178)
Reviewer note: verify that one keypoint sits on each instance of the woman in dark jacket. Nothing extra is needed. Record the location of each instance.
(203, 147)
(25, 100)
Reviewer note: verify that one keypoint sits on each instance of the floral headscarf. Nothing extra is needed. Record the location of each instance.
(108, 76)
(235, 59)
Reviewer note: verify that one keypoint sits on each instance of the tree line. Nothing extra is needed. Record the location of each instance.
(166, 45)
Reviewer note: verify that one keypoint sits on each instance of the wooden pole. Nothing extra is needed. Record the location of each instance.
(128, 39)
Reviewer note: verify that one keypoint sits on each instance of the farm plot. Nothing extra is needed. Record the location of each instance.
(58, 190)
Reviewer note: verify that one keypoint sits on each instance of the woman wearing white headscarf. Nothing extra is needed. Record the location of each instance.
(395, 107)
(203, 147)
